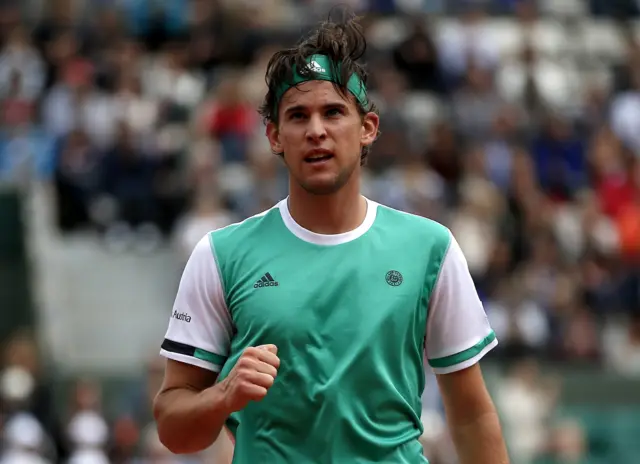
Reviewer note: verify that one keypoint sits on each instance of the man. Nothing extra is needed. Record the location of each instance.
(304, 329)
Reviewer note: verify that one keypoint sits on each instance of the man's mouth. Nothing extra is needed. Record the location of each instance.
(318, 157)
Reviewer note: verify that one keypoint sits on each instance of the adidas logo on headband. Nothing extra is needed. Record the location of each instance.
(320, 67)
(315, 67)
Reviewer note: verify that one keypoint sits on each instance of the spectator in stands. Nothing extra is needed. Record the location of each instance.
(526, 402)
(232, 119)
(568, 444)
(475, 222)
(625, 116)
(26, 152)
(624, 348)
(128, 177)
(417, 57)
(76, 181)
(499, 151)
(522, 323)
(560, 160)
(477, 104)
(207, 213)
(468, 43)
(138, 111)
(86, 432)
(169, 79)
(27, 393)
(20, 60)
(392, 98)
(24, 441)
(628, 220)
(125, 437)
(75, 102)
(17, 108)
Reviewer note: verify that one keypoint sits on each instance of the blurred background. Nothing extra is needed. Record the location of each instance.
(128, 129)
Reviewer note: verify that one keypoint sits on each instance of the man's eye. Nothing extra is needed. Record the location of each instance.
(296, 116)
(334, 112)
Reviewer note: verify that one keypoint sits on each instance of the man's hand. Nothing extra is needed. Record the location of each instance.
(251, 377)
(191, 408)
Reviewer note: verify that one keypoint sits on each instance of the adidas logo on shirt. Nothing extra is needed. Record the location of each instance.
(266, 281)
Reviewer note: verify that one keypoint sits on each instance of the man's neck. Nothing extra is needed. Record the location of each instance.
(332, 214)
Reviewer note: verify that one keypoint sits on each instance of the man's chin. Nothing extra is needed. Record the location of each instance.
(321, 188)
(323, 184)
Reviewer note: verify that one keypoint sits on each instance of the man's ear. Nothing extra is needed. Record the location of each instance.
(370, 125)
(273, 134)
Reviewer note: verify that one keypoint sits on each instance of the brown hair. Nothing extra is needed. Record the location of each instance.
(343, 41)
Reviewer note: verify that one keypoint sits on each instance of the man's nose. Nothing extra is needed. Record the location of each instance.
(315, 128)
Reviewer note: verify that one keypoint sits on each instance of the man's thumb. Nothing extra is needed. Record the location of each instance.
(272, 348)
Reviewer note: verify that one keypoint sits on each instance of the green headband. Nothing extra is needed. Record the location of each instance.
(321, 68)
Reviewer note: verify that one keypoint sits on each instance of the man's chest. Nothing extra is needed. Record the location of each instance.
(327, 297)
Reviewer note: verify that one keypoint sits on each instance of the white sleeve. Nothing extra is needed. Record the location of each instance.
(458, 331)
(200, 326)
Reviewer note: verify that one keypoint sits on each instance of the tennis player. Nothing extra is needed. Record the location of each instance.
(306, 329)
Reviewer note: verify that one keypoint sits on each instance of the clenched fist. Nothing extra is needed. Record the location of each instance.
(251, 377)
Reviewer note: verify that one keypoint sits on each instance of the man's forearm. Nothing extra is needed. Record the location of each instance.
(480, 441)
(190, 421)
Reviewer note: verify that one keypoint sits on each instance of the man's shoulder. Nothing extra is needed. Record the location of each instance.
(410, 227)
(254, 226)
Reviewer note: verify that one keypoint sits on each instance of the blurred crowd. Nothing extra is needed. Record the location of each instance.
(43, 424)
(514, 122)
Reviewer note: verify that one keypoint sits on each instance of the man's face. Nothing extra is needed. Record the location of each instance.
(321, 135)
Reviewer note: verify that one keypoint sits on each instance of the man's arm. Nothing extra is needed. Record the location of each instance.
(472, 417)
(189, 410)
(458, 337)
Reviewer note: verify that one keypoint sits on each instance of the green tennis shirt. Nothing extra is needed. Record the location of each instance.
(355, 316)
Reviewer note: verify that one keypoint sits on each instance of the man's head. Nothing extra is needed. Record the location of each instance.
(319, 117)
